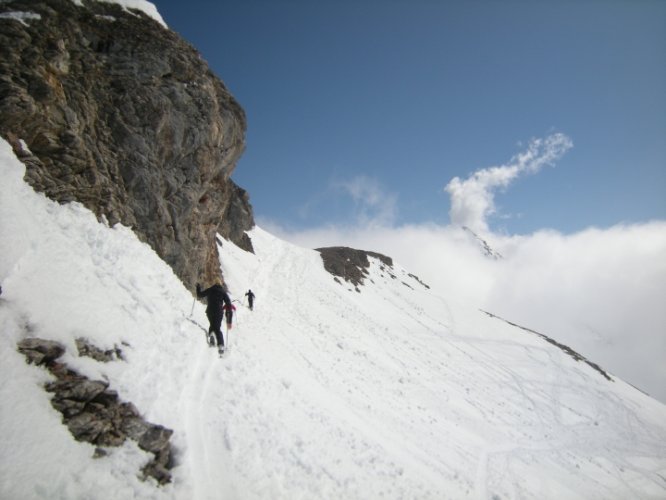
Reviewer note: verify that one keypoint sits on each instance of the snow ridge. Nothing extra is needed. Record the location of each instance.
(563, 347)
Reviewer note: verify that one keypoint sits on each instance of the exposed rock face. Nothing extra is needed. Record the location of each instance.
(95, 414)
(39, 351)
(109, 108)
(350, 264)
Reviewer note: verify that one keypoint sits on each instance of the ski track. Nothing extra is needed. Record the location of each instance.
(208, 450)
(193, 403)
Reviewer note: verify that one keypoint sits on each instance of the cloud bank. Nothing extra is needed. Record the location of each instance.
(472, 200)
(599, 291)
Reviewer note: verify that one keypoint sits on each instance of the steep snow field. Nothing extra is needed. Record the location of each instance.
(325, 392)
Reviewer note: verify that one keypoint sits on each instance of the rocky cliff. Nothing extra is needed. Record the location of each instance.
(107, 107)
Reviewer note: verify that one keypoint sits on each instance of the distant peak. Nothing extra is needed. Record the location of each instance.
(487, 249)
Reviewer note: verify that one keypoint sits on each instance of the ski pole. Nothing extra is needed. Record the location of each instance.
(226, 341)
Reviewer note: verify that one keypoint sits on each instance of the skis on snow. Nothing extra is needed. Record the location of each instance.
(211, 341)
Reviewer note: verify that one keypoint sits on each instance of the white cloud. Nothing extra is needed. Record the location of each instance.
(373, 205)
(600, 291)
(472, 199)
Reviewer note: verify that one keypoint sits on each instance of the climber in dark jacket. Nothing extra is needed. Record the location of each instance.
(250, 298)
(217, 300)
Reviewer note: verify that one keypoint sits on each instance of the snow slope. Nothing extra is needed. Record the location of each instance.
(394, 392)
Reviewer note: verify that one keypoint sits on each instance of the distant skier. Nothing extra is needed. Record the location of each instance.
(217, 299)
(250, 298)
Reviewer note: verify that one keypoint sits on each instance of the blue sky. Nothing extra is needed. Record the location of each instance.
(406, 95)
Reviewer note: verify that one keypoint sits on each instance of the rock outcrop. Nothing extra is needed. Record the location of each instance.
(87, 349)
(353, 266)
(350, 264)
(93, 413)
(107, 107)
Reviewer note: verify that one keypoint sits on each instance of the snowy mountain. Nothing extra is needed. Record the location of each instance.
(391, 391)
(352, 378)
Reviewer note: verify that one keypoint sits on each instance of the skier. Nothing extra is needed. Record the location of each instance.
(250, 298)
(216, 297)
(229, 312)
